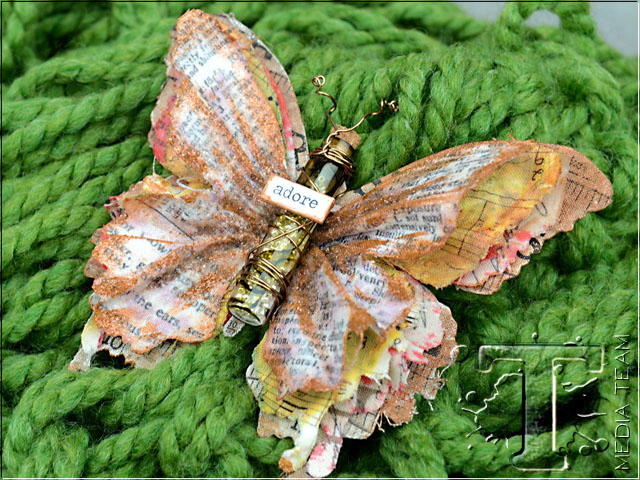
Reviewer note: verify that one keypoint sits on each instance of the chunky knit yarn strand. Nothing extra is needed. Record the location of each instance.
(79, 83)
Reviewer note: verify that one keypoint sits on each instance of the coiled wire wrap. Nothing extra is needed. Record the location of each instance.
(256, 264)
(336, 156)
(254, 259)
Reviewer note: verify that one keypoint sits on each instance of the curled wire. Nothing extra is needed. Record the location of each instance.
(318, 81)
(333, 154)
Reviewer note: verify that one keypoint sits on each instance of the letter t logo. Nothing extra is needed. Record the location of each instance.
(541, 368)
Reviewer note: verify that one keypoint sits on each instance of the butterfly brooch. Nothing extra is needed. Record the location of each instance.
(252, 228)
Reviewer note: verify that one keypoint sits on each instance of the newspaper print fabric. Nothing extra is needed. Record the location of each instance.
(358, 334)
(226, 119)
(379, 380)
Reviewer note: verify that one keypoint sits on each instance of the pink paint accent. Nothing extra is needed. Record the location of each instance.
(286, 121)
(158, 152)
(160, 145)
(491, 253)
(519, 242)
(415, 356)
(171, 102)
(161, 127)
(507, 255)
(101, 337)
(317, 452)
(436, 309)
(113, 202)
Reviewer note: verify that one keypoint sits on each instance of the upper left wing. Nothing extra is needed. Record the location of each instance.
(227, 114)
(227, 118)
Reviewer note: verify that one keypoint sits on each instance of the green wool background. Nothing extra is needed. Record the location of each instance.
(79, 81)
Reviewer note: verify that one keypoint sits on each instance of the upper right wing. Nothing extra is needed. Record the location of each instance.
(441, 217)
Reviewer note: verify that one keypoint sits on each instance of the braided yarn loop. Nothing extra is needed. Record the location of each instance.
(79, 83)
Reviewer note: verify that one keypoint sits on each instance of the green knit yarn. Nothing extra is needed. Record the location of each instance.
(79, 83)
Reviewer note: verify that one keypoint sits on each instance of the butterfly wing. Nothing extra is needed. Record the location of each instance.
(376, 375)
(445, 218)
(162, 266)
(274, 81)
(227, 113)
(581, 188)
(226, 119)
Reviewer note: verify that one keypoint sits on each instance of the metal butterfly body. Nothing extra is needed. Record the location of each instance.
(358, 333)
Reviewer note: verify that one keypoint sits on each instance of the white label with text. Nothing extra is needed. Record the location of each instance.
(297, 198)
